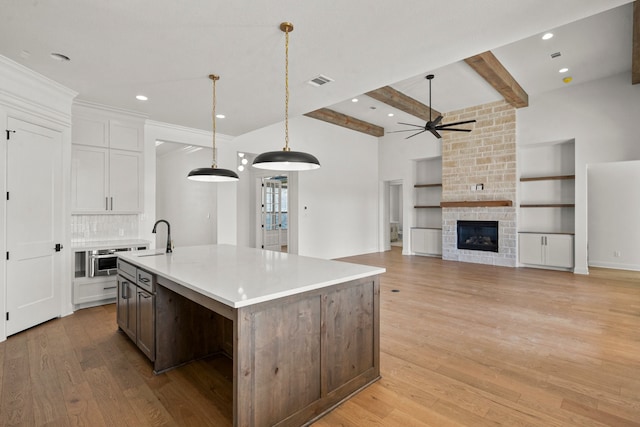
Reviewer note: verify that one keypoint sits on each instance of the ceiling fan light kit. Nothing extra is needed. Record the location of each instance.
(213, 174)
(286, 160)
(433, 126)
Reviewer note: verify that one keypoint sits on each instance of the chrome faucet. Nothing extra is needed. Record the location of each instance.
(169, 250)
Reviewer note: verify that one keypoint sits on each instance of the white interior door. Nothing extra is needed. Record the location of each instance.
(34, 225)
(271, 215)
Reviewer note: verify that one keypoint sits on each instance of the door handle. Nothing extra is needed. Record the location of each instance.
(58, 247)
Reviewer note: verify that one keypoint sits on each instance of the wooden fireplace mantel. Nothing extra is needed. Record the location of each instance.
(477, 204)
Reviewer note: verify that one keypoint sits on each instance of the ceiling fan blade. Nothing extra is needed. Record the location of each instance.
(457, 130)
(404, 130)
(411, 124)
(418, 133)
(437, 121)
(435, 133)
(456, 123)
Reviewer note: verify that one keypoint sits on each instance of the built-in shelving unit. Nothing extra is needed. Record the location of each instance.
(546, 222)
(426, 233)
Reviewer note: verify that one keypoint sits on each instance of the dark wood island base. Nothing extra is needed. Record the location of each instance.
(294, 358)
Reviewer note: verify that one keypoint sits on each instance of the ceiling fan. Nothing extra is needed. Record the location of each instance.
(433, 126)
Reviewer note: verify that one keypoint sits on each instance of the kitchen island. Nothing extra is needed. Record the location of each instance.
(303, 332)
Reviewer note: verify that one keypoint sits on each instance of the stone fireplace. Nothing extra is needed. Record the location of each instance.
(479, 182)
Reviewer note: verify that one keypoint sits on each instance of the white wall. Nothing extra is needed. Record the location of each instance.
(225, 214)
(397, 162)
(602, 117)
(189, 206)
(338, 203)
(614, 209)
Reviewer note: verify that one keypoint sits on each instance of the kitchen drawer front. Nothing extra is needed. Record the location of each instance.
(127, 270)
(146, 281)
(94, 291)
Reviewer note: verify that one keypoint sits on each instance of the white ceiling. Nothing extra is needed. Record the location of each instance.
(165, 49)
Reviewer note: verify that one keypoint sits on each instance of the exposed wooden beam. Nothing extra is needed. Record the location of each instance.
(635, 60)
(402, 102)
(492, 70)
(333, 117)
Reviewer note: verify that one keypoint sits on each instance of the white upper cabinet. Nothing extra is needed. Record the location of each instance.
(125, 135)
(107, 161)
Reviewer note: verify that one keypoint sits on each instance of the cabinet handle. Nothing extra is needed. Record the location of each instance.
(145, 296)
(123, 290)
(111, 203)
(106, 203)
(109, 287)
(143, 279)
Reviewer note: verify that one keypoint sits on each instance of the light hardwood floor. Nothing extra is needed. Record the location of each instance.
(461, 345)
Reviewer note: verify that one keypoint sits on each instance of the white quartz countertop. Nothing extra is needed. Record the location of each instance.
(108, 244)
(239, 276)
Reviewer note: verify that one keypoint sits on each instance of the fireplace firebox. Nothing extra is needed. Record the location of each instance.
(478, 235)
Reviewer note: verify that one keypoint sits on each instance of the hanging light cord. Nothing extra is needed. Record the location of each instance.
(213, 77)
(286, 90)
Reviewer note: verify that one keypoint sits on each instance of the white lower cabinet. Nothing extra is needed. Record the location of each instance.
(547, 250)
(426, 241)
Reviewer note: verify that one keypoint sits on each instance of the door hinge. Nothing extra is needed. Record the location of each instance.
(262, 246)
(9, 132)
(7, 256)
(7, 315)
(7, 195)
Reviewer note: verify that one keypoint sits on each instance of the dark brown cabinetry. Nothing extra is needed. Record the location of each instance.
(136, 307)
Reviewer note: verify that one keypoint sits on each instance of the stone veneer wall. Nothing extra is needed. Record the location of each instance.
(487, 155)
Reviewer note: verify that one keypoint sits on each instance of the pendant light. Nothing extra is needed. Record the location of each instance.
(286, 160)
(213, 174)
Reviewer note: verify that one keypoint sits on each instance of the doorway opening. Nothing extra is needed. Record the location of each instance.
(274, 218)
(395, 213)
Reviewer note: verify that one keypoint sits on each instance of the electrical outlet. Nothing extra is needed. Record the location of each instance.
(479, 187)
(473, 188)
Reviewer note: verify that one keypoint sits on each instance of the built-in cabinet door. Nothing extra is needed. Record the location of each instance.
(125, 135)
(146, 338)
(549, 250)
(426, 241)
(125, 181)
(559, 250)
(127, 313)
(531, 246)
(89, 179)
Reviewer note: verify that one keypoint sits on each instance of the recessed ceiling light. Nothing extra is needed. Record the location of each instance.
(240, 168)
(390, 114)
(60, 57)
(141, 98)
(354, 100)
(373, 107)
(240, 154)
(244, 161)
(158, 142)
(547, 36)
(220, 116)
(563, 70)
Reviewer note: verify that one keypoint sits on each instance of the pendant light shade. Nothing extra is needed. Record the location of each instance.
(286, 160)
(213, 174)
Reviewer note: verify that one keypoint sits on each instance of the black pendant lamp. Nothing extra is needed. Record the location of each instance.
(213, 174)
(286, 160)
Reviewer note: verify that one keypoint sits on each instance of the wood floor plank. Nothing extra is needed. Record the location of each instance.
(461, 345)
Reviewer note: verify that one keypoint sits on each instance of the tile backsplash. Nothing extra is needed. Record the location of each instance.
(89, 228)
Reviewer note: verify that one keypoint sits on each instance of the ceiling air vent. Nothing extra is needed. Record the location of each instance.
(320, 80)
(555, 55)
